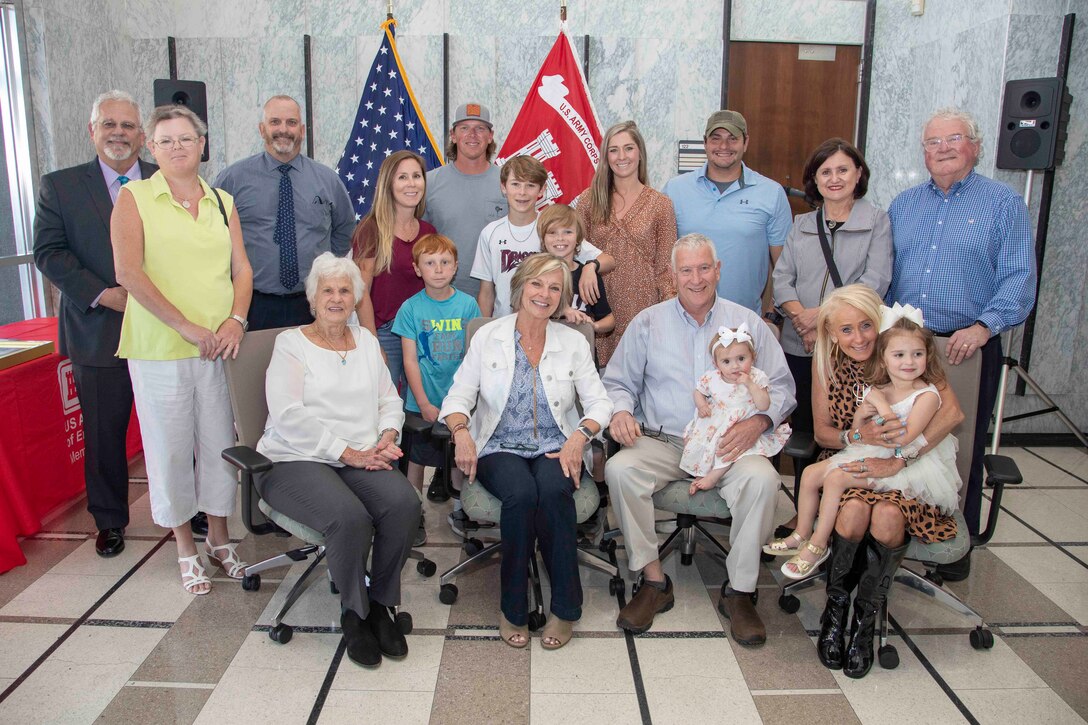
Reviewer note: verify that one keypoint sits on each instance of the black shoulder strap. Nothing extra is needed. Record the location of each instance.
(826, 246)
(223, 210)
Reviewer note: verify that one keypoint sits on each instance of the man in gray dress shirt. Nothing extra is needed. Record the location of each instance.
(651, 379)
(282, 239)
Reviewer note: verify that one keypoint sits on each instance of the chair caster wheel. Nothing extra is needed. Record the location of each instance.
(982, 638)
(404, 623)
(615, 585)
(789, 603)
(332, 587)
(447, 594)
(251, 583)
(607, 547)
(473, 547)
(426, 567)
(536, 621)
(888, 657)
(281, 633)
(685, 559)
(765, 557)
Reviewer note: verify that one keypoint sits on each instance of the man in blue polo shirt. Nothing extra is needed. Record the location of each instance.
(965, 257)
(743, 212)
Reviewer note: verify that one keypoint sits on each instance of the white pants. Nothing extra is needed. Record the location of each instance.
(184, 412)
(749, 487)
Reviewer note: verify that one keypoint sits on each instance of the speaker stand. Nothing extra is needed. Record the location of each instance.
(1011, 364)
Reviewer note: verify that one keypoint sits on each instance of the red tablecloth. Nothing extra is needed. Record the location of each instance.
(41, 439)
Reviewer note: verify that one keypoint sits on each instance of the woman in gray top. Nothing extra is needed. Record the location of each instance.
(859, 239)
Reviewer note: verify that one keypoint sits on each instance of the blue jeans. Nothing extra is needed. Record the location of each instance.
(537, 504)
(394, 356)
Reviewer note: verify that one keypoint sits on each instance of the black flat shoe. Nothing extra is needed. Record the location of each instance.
(110, 542)
(391, 642)
(362, 646)
(437, 490)
(199, 523)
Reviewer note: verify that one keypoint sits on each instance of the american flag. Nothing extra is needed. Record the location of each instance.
(388, 120)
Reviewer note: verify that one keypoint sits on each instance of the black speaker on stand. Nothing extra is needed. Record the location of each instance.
(1034, 117)
(191, 94)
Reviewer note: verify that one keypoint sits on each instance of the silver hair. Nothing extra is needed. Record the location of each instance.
(165, 113)
(114, 95)
(328, 265)
(281, 97)
(952, 113)
(693, 242)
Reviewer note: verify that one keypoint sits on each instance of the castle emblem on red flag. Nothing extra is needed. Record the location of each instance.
(558, 126)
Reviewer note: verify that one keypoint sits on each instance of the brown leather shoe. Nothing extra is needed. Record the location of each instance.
(744, 622)
(638, 615)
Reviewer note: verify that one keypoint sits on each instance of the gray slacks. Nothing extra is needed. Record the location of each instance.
(353, 509)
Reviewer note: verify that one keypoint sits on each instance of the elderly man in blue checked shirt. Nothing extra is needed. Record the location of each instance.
(964, 256)
(650, 380)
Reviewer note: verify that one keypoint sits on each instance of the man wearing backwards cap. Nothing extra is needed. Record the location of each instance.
(743, 212)
(464, 196)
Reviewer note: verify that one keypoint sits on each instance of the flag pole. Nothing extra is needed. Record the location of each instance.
(389, 11)
(562, 11)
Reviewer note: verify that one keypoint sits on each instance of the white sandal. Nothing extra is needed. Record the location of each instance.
(231, 565)
(193, 574)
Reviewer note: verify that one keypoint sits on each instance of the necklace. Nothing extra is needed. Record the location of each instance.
(514, 236)
(343, 356)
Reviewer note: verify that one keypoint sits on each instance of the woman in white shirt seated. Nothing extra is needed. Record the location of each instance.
(511, 411)
(334, 418)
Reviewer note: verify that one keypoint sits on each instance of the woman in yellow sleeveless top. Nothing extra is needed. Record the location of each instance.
(189, 285)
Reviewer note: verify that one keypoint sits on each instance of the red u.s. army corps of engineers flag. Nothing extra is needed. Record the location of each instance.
(557, 125)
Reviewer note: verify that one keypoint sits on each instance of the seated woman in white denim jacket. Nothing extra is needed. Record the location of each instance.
(511, 411)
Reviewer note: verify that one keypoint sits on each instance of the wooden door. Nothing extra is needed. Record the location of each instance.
(792, 105)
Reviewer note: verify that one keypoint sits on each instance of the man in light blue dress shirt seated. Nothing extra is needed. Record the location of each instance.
(319, 217)
(965, 257)
(650, 380)
(745, 214)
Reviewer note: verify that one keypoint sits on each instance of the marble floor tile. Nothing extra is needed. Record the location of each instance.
(73, 516)
(1074, 500)
(93, 664)
(1059, 661)
(584, 666)
(1070, 596)
(41, 556)
(679, 673)
(1000, 594)
(1073, 459)
(477, 680)
(1014, 705)
(964, 668)
(1047, 514)
(418, 672)
(155, 593)
(1047, 470)
(1011, 531)
(809, 709)
(1081, 552)
(24, 643)
(555, 708)
(155, 705)
(317, 607)
(1040, 565)
(392, 707)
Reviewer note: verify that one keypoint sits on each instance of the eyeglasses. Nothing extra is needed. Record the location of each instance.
(527, 447)
(186, 142)
(126, 126)
(658, 434)
(932, 144)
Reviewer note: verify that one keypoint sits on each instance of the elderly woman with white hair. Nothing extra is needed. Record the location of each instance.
(334, 418)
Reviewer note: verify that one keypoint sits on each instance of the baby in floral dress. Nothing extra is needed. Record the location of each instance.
(726, 394)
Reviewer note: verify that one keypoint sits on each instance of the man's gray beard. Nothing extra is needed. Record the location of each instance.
(284, 145)
(114, 153)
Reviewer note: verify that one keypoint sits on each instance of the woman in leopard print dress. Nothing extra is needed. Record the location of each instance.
(847, 328)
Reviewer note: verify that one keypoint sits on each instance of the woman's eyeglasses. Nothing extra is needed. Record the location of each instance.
(186, 142)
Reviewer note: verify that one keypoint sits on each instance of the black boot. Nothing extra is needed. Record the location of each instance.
(841, 577)
(390, 640)
(872, 593)
(362, 645)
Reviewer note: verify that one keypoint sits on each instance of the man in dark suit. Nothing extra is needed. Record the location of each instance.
(72, 248)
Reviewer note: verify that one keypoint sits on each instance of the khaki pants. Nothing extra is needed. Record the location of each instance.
(749, 487)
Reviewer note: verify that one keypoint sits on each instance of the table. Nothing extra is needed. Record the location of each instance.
(41, 440)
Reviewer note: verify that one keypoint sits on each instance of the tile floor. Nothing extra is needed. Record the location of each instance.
(85, 639)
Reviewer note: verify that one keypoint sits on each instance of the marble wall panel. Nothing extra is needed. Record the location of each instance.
(337, 81)
(799, 21)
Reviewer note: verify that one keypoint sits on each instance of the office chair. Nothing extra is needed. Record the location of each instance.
(481, 507)
(999, 472)
(245, 384)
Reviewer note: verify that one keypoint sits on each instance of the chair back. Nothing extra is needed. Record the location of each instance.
(245, 385)
(964, 380)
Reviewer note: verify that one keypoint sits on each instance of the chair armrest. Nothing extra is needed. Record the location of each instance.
(800, 445)
(439, 431)
(415, 423)
(1001, 470)
(247, 459)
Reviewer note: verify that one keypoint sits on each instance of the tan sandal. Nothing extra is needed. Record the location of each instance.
(783, 547)
(508, 632)
(231, 565)
(559, 631)
(193, 574)
(801, 568)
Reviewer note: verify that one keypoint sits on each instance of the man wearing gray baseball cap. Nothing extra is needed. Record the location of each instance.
(745, 214)
(464, 196)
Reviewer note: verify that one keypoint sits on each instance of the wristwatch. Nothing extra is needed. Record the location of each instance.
(596, 263)
(584, 430)
(241, 321)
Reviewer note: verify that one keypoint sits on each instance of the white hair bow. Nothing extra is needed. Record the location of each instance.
(727, 337)
(890, 315)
